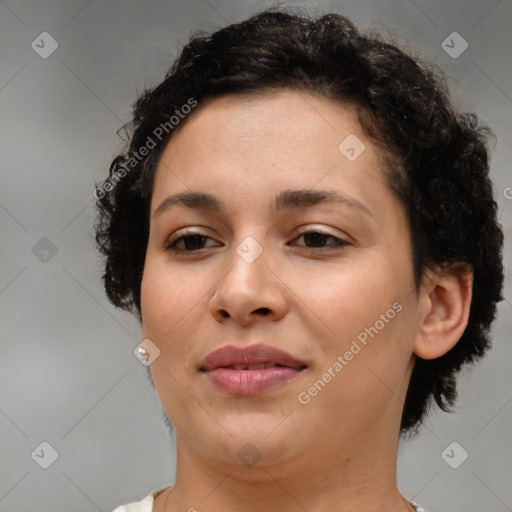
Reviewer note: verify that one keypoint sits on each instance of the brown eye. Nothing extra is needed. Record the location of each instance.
(189, 243)
(317, 239)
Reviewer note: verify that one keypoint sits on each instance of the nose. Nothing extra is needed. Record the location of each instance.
(249, 292)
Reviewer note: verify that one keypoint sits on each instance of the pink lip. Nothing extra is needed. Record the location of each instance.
(218, 367)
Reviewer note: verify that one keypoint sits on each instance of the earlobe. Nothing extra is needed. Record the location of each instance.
(446, 304)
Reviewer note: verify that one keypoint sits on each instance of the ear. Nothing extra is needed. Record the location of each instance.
(445, 300)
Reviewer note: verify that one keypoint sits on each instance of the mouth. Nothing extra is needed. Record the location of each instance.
(250, 370)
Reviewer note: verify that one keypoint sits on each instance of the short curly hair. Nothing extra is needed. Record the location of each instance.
(437, 160)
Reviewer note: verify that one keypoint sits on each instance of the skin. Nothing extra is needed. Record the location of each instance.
(337, 452)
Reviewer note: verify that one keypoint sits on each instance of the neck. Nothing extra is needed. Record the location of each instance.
(343, 480)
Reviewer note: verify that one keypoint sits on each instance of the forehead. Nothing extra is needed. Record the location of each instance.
(285, 117)
(276, 135)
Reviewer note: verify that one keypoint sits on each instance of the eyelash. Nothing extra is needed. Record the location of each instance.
(171, 245)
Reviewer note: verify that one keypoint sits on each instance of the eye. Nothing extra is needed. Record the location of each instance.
(319, 240)
(189, 242)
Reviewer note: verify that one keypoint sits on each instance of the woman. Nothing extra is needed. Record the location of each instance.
(307, 232)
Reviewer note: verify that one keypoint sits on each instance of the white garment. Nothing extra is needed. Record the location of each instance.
(146, 505)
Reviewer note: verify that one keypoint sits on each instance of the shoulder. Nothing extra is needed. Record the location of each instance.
(145, 505)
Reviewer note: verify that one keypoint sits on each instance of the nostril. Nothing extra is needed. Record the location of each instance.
(224, 313)
(263, 311)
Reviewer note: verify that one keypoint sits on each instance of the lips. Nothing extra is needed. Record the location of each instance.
(242, 358)
(251, 369)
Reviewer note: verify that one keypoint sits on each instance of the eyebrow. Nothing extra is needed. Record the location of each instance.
(294, 199)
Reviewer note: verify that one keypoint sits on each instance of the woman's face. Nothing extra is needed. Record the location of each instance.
(301, 247)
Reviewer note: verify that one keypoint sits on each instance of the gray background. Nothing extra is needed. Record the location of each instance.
(67, 372)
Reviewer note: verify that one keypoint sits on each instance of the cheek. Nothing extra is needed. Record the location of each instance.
(365, 311)
(351, 297)
(174, 305)
(166, 295)
(167, 304)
